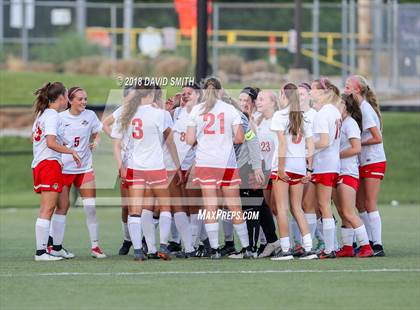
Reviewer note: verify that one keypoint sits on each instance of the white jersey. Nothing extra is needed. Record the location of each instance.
(267, 139)
(349, 130)
(309, 118)
(327, 120)
(373, 153)
(77, 131)
(115, 135)
(46, 124)
(296, 145)
(215, 135)
(167, 158)
(186, 152)
(145, 138)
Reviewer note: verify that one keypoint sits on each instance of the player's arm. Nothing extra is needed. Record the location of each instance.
(95, 138)
(169, 140)
(322, 142)
(52, 144)
(355, 148)
(107, 123)
(376, 137)
(191, 135)
(282, 155)
(238, 134)
(116, 149)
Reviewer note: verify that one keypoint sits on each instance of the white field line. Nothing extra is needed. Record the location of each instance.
(205, 272)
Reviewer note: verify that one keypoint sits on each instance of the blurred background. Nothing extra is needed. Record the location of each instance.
(91, 43)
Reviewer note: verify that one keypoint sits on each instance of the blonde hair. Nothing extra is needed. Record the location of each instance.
(273, 99)
(212, 88)
(368, 94)
(331, 91)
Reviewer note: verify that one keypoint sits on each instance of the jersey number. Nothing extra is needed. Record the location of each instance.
(182, 137)
(137, 128)
(337, 128)
(37, 134)
(210, 118)
(265, 146)
(76, 141)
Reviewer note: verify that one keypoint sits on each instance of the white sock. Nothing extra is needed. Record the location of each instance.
(263, 240)
(311, 219)
(194, 229)
(42, 230)
(361, 235)
(165, 222)
(213, 234)
(57, 229)
(149, 230)
(155, 221)
(375, 227)
(318, 231)
(365, 219)
(202, 230)
(297, 237)
(242, 231)
(134, 227)
(89, 205)
(184, 228)
(175, 233)
(347, 235)
(228, 229)
(307, 242)
(329, 233)
(126, 234)
(285, 244)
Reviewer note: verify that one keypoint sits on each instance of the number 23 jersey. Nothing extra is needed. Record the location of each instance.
(77, 132)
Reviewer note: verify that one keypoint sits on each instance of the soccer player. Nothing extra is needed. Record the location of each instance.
(372, 159)
(48, 145)
(326, 162)
(215, 126)
(289, 170)
(81, 130)
(348, 181)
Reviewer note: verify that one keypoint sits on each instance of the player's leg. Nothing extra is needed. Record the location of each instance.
(324, 194)
(136, 196)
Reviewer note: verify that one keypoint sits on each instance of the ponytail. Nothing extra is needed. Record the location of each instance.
(295, 114)
(212, 88)
(353, 109)
(47, 94)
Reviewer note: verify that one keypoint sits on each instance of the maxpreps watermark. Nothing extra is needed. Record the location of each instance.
(221, 214)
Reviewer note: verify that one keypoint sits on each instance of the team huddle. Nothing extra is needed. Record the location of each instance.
(274, 159)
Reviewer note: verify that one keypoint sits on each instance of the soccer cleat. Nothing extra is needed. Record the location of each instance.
(153, 256)
(280, 255)
(298, 250)
(378, 250)
(139, 255)
(125, 248)
(323, 255)
(47, 258)
(62, 253)
(365, 251)
(320, 247)
(270, 249)
(174, 247)
(227, 250)
(345, 251)
(215, 254)
(308, 255)
(183, 254)
(97, 252)
(164, 252)
(144, 245)
(49, 249)
(244, 253)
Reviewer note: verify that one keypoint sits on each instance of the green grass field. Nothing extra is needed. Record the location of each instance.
(402, 181)
(392, 282)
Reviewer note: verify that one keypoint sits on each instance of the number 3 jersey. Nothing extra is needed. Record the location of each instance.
(145, 138)
(215, 135)
(77, 132)
(46, 124)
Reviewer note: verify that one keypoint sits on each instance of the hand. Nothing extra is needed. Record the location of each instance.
(93, 145)
(307, 178)
(259, 176)
(180, 178)
(76, 158)
(281, 174)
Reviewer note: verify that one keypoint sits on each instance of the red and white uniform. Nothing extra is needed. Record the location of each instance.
(372, 158)
(186, 152)
(326, 163)
(267, 139)
(295, 164)
(215, 156)
(349, 167)
(47, 163)
(171, 168)
(145, 139)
